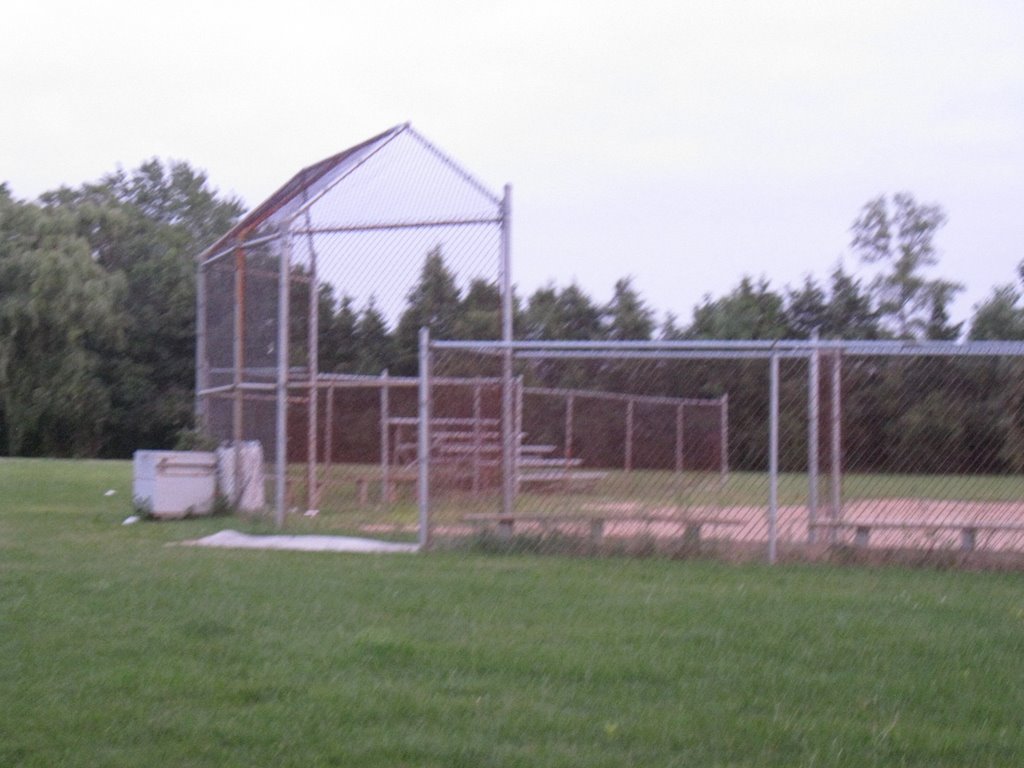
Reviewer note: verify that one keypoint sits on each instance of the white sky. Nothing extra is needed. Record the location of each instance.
(683, 143)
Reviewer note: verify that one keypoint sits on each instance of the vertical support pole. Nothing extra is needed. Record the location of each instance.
(202, 366)
(835, 476)
(238, 365)
(313, 367)
(329, 429)
(519, 429)
(281, 427)
(723, 462)
(773, 459)
(570, 402)
(629, 435)
(509, 480)
(813, 438)
(423, 465)
(679, 438)
(385, 438)
(478, 441)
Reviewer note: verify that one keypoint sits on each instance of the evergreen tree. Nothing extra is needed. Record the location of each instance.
(627, 316)
(479, 315)
(375, 349)
(432, 303)
(567, 314)
(339, 340)
(1001, 315)
(849, 314)
(750, 311)
(806, 310)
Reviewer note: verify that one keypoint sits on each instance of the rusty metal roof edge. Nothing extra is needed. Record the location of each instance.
(293, 187)
(377, 142)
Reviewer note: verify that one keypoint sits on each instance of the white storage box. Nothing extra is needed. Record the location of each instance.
(240, 475)
(174, 483)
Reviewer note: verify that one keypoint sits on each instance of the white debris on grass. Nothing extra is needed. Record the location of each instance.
(110, 492)
(131, 519)
(229, 539)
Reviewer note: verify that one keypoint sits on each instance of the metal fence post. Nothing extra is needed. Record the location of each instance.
(237, 378)
(281, 427)
(813, 416)
(329, 429)
(517, 453)
(313, 366)
(477, 436)
(773, 459)
(509, 443)
(723, 463)
(385, 439)
(835, 479)
(423, 478)
(569, 402)
(202, 339)
(679, 438)
(629, 435)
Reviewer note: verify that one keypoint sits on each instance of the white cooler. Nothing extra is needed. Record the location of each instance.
(174, 483)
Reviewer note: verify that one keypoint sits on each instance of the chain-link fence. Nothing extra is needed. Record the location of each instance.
(871, 451)
(315, 296)
(312, 364)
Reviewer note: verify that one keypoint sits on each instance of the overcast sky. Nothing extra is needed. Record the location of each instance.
(682, 143)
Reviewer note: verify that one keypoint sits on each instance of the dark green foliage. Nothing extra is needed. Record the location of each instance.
(1001, 316)
(338, 345)
(432, 303)
(844, 312)
(898, 235)
(627, 316)
(136, 235)
(751, 311)
(59, 323)
(97, 331)
(850, 313)
(479, 315)
(376, 346)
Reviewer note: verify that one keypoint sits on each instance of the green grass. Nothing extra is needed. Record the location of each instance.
(119, 650)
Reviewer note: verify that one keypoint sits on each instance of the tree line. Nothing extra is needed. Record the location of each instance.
(97, 307)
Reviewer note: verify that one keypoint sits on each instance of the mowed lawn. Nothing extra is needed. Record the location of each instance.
(118, 648)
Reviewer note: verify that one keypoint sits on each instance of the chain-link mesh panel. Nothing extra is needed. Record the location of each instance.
(238, 357)
(378, 242)
(819, 453)
(613, 455)
(931, 457)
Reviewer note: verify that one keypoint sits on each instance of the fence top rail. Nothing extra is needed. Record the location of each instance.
(358, 381)
(235, 246)
(622, 396)
(759, 348)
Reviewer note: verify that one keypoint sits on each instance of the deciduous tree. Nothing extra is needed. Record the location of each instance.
(898, 234)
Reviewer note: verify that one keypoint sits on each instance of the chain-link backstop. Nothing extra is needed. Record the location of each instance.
(306, 303)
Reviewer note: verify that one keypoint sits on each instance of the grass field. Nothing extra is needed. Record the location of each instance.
(119, 650)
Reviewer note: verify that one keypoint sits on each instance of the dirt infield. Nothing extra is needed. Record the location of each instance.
(904, 525)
